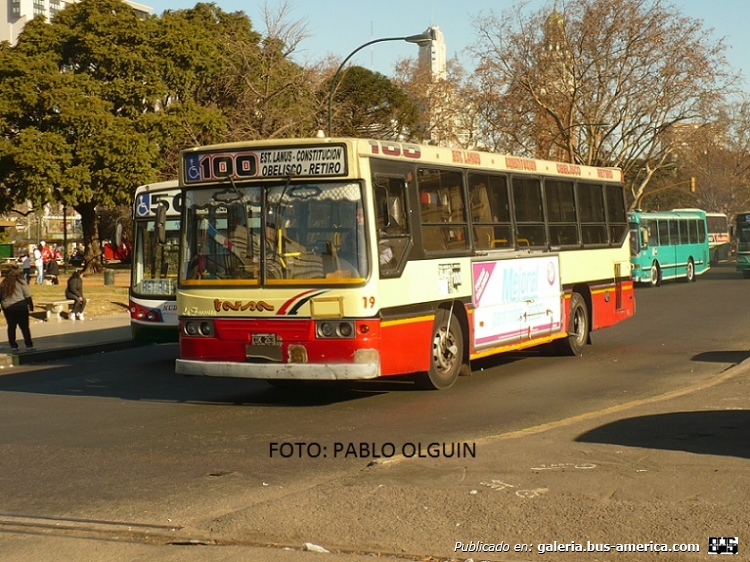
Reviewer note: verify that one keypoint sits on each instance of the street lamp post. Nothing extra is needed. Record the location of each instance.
(573, 126)
(420, 39)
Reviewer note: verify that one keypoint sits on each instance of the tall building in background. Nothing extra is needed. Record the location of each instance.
(432, 55)
(449, 117)
(18, 12)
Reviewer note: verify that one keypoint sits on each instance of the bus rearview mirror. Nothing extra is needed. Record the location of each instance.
(161, 225)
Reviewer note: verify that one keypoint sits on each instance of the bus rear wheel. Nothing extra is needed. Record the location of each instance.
(446, 352)
(655, 275)
(578, 327)
(690, 272)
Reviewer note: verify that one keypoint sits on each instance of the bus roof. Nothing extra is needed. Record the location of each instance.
(158, 186)
(675, 214)
(327, 157)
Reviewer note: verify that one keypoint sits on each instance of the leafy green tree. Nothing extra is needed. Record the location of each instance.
(74, 92)
(100, 100)
(368, 104)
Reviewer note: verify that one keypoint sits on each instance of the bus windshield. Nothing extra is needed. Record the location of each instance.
(743, 237)
(155, 265)
(274, 233)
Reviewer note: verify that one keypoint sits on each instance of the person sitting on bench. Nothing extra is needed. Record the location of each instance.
(74, 291)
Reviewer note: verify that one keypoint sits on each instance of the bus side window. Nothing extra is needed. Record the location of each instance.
(561, 213)
(684, 236)
(644, 237)
(674, 232)
(442, 210)
(592, 214)
(529, 211)
(616, 214)
(392, 223)
(490, 211)
(664, 233)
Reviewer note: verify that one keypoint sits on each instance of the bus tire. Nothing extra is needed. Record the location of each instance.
(655, 274)
(446, 352)
(746, 274)
(578, 327)
(690, 271)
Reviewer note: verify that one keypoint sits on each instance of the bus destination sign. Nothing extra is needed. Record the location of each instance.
(259, 163)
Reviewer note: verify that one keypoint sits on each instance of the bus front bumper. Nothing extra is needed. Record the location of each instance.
(288, 371)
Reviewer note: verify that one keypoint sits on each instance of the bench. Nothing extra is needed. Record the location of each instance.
(54, 308)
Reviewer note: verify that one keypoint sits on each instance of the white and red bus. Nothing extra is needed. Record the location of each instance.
(153, 276)
(312, 259)
(718, 237)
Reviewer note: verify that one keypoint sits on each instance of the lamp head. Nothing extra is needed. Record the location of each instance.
(421, 39)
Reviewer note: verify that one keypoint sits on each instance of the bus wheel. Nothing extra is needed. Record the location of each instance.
(446, 353)
(690, 272)
(655, 275)
(578, 327)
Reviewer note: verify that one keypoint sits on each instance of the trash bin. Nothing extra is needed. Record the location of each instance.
(109, 276)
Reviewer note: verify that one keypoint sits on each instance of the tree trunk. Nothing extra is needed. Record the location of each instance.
(92, 253)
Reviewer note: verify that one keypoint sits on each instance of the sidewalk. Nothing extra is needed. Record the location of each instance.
(58, 340)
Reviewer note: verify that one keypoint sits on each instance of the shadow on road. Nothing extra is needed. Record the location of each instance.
(733, 357)
(703, 432)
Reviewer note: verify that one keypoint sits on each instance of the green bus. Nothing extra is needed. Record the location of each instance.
(741, 237)
(668, 245)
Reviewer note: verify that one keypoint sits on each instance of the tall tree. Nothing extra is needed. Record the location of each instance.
(100, 100)
(717, 155)
(601, 83)
(267, 94)
(368, 104)
(73, 93)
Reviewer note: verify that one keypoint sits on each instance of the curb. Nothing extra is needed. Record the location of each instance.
(43, 356)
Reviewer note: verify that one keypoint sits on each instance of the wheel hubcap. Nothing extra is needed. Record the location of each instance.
(578, 324)
(444, 351)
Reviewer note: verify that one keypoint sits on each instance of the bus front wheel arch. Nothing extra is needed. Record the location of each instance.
(655, 274)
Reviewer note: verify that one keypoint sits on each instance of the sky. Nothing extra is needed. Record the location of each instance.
(338, 27)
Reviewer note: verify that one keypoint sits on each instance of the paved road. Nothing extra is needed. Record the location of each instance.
(668, 467)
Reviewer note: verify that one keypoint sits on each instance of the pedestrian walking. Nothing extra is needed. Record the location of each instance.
(74, 292)
(26, 268)
(39, 265)
(16, 304)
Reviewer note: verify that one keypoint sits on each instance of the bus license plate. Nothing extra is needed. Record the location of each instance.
(265, 339)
